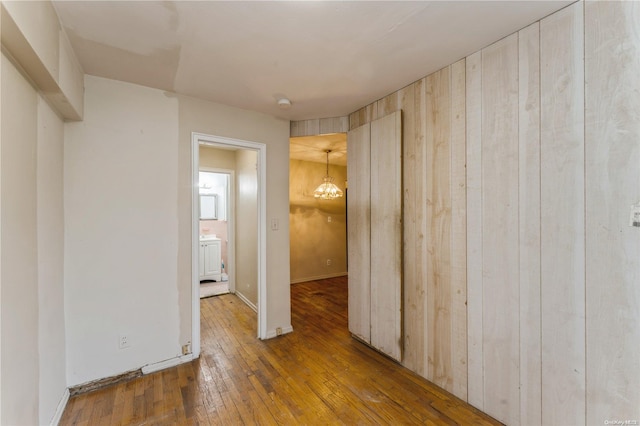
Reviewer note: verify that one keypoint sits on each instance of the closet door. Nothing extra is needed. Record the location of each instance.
(374, 212)
(386, 235)
(358, 234)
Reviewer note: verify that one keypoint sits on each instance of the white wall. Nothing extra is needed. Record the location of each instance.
(20, 366)
(33, 350)
(128, 222)
(50, 224)
(121, 235)
(219, 120)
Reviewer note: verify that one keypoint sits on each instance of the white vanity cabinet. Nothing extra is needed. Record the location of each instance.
(210, 259)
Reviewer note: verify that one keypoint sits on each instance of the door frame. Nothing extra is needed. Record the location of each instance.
(261, 150)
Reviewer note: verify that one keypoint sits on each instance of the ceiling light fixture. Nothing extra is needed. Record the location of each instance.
(327, 189)
(284, 103)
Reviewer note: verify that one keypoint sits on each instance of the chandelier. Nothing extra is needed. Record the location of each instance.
(327, 190)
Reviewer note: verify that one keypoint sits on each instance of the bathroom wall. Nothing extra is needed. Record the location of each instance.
(246, 216)
(318, 227)
(216, 158)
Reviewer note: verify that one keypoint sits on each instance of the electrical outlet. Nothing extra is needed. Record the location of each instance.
(186, 349)
(279, 331)
(328, 262)
(329, 219)
(123, 341)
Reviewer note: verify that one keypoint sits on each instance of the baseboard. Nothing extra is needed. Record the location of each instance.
(319, 277)
(274, 333)
(55, 420)
(247, 301)
(167, 363)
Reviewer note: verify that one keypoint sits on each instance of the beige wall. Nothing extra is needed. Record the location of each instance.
(32, 303)
(520, 267)
(217, 158)
(246, 217)
(313, 238)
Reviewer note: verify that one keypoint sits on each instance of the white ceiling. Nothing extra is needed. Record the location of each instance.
(330, 58)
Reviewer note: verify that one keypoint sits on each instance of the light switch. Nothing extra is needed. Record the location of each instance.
(275, 225)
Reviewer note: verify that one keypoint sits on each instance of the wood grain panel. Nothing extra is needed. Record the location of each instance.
(529, 217)
(562, 216)
(334, 125)
(458, 246)
(612, 138)
(475, 359)
(363, 116)
(438, 146)
(359, 231)
(304, 128)
(387, 105)
(411, 101)
(500, 239)
(386, 235)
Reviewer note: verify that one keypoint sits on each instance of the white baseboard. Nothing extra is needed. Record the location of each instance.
(274, 333)
(55, 420)
(168, 363)
(319, 277)
(247, 301)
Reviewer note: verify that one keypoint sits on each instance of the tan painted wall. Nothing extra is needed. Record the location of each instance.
(520, 268)
(313, 238)
(217, 158)
(246, 217)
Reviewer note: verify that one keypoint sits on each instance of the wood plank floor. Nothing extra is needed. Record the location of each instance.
(317, 375)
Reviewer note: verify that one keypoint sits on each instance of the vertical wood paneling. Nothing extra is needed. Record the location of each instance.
(386, 235)
(359, 231)
(562, 217)
(413, 169)
(458, 247)
(387, 105)
(529, 213)
(438, 146)
(500, 239)
(475, 359)
(612, 50)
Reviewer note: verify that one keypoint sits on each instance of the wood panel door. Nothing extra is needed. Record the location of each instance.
(374, 210)
(358, 231)
(386, 235)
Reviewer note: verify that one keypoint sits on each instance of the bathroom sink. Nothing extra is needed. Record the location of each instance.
(208, 237)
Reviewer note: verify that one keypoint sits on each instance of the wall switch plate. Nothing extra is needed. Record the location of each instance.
(275, 225)
(328, 219)
(328, 262)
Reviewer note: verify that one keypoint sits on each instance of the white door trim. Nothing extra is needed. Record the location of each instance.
(261, 149)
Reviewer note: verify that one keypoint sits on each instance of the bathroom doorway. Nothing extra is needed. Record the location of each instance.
(247, 227)
(216, 225)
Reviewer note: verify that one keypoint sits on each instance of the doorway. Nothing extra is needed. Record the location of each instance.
(216, 225)
(252, 155)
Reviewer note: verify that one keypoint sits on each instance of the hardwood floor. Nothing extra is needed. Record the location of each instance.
(316, 375)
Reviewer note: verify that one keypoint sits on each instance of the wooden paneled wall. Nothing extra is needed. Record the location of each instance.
(521, 272)
(319, 126)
